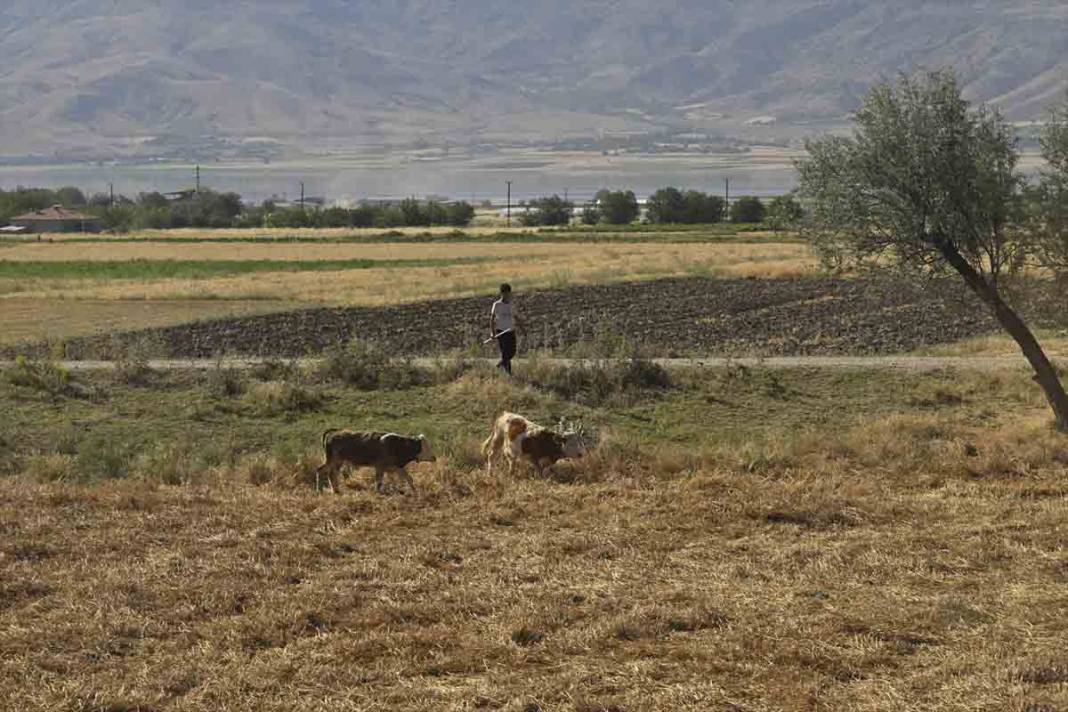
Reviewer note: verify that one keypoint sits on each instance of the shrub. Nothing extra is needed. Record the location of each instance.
(132, 362)
(226, 382)
(367, 367)
(103, 458)
(45, 376)
(167, 463)
(596, 382)
(49, 467)
(279, 397)
(274, 369)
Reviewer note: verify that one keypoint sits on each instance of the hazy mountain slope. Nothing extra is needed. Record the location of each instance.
(120, 72)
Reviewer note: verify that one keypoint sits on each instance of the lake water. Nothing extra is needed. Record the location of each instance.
(459, 179)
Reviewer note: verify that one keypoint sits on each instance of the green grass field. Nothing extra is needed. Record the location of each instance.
(141, 269)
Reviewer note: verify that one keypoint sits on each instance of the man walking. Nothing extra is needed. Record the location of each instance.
(503, 323)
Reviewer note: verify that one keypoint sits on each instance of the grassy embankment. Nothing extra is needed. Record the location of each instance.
(742, 539)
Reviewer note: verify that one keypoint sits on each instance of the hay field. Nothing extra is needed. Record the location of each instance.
(479, 267)
(743, 540)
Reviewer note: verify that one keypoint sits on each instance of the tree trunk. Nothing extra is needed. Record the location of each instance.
(1045, 373)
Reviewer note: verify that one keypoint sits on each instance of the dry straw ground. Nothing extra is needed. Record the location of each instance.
(902, 550)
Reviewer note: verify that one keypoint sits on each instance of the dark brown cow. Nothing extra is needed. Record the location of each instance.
(382, 451)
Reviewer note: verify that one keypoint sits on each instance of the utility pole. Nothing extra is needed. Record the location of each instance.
(508, 210)
(198, 180)
(111, 193)
(302, 196)
(727, 201)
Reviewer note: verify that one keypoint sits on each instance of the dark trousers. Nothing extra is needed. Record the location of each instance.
(506, 342)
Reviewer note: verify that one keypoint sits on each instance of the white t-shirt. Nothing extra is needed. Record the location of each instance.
(504, 315)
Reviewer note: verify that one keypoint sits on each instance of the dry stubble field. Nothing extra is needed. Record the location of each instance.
(743, 539)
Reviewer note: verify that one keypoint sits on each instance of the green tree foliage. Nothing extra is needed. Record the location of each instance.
(928, 184)
(619, 207)
(210, 209)
(784, 212)
(1047, 202)
(407, 213)
(665, 206)
(70, 197)
(702, 208)
(552, 210)
(670, 205)
(460, 214)
(28, 200)
(747, 209)
(591, 215)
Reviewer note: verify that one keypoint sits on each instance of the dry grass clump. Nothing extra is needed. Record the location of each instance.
(44, 376)
(598, 382)
(225, 381)
(280, 397)
(366, 366)
(493, 392)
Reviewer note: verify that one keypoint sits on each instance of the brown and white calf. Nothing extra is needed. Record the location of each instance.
(382, 451)
(516, 437)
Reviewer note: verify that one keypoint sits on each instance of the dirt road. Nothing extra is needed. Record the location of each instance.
(908, 363)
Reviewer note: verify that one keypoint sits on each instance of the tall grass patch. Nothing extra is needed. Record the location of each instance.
(600, 382)
(368, 367)
(40, 375)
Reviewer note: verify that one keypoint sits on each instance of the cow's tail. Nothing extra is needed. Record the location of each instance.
(487, 445)
(326, 434)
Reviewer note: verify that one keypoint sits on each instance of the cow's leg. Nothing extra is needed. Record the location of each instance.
(407, 479)
(494, 454)
(335, 480)
(380, 474)
(321, 471)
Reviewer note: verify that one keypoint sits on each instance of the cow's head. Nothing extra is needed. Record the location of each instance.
(578, 437)
(426, 451)
(574, 445)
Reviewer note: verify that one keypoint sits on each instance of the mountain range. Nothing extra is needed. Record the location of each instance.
(139, 77)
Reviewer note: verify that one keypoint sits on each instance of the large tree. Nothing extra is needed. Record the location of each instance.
(1048, 201)
(928, 183)
(619, 207)
(747, 209)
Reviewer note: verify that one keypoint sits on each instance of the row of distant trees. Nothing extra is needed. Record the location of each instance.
(666, 206)
(211, 209)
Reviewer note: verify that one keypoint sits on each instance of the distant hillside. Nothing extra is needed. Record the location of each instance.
(151, 76)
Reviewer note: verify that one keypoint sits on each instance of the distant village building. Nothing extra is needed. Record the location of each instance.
(57, 219)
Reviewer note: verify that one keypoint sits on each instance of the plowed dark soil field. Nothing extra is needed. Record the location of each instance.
(671, 317)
